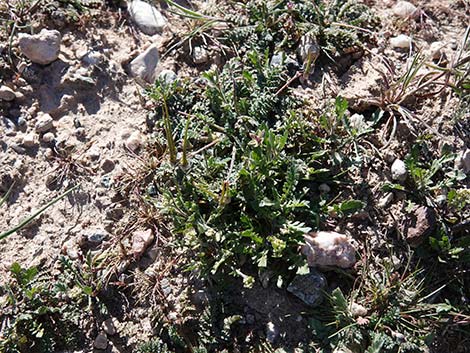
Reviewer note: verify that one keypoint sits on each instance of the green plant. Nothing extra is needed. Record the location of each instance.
(244, 195)
(36, 317)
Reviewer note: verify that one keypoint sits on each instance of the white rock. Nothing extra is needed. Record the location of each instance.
(399, 171)
(435, 50)
(144, 65)
(200, 55)
(134, 141)
(401, 41)
(101, 341)
(42, 48)
(140, 241)
(146, 16)
(7, 94)
(329, 249)
(29, 140)
(48, 137)
(44, 123)
(462, 161)
(405, 9)
(358, 310)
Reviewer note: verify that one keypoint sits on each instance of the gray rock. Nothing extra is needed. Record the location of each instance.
(146, 17)
(7, 94)
(21, 121)
(109, 328)
(42, 48)
(96, 237)
(168, 76)
(278, 59)
(399, 172)
(44, 123)
(144, 65)
(101, 341)
(309, 287)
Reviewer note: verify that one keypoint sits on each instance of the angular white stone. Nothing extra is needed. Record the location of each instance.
(401, 41)
(144, 65)
(329, 249)
(42, 48)
(146, 16)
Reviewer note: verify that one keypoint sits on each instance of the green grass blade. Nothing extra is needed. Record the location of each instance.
(36, 214)
(4, 198)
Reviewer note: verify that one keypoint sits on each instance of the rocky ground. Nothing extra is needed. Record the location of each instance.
(74, 112)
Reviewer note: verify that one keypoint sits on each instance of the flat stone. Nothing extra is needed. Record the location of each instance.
(309, 287)
(44, 123)
(420, 224)
(329, 249)
(144, 65)
(7, 94)
(405, 9)
(29, 140)
(42, 48)
(146, 17)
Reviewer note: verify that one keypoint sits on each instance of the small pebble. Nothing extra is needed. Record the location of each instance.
(44, 123)
(7, 94)
(272, 332)
(402, 41)
(107, 165)
(405, 9)
(134, 142)
(436, 50)
(200, 55)
(399, 172)
(29, 140)
(101, 341)
(48, 137)
(109, 328)
(324, 188)
(462, 161)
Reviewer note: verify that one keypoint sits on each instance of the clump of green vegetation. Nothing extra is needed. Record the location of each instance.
(36, 315)
(242, 189)
(337, 25)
